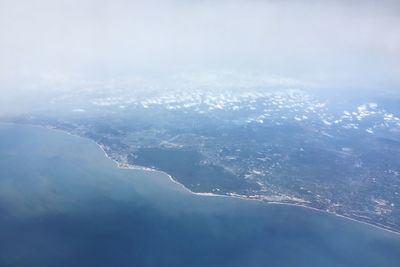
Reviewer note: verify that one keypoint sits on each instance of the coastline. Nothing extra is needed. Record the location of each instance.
(201, 194)
(207, 194)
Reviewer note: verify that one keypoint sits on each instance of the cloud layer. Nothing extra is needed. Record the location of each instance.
(354, 44)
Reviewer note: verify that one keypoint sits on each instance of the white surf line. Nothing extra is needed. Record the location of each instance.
(205, 194)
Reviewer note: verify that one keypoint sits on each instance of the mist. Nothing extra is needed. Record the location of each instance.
(329, 45)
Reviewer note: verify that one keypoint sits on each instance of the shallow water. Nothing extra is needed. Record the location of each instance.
(63, 203)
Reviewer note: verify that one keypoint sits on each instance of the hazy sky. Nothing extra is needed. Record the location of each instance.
(354, 44)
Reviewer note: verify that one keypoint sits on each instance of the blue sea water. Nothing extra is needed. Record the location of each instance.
(63, 203)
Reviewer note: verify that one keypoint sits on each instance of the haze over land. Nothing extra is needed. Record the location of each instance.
(328, 45)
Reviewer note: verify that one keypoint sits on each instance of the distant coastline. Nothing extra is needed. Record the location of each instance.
(201, 194)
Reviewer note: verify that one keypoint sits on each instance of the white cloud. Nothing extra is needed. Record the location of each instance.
(324, 43)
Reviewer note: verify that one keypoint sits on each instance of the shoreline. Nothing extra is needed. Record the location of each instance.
(206, 194)
(200, 194)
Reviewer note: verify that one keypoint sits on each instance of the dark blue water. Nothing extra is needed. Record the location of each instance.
(63, 203)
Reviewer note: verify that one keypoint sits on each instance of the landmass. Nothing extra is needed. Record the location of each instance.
(283, 146)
